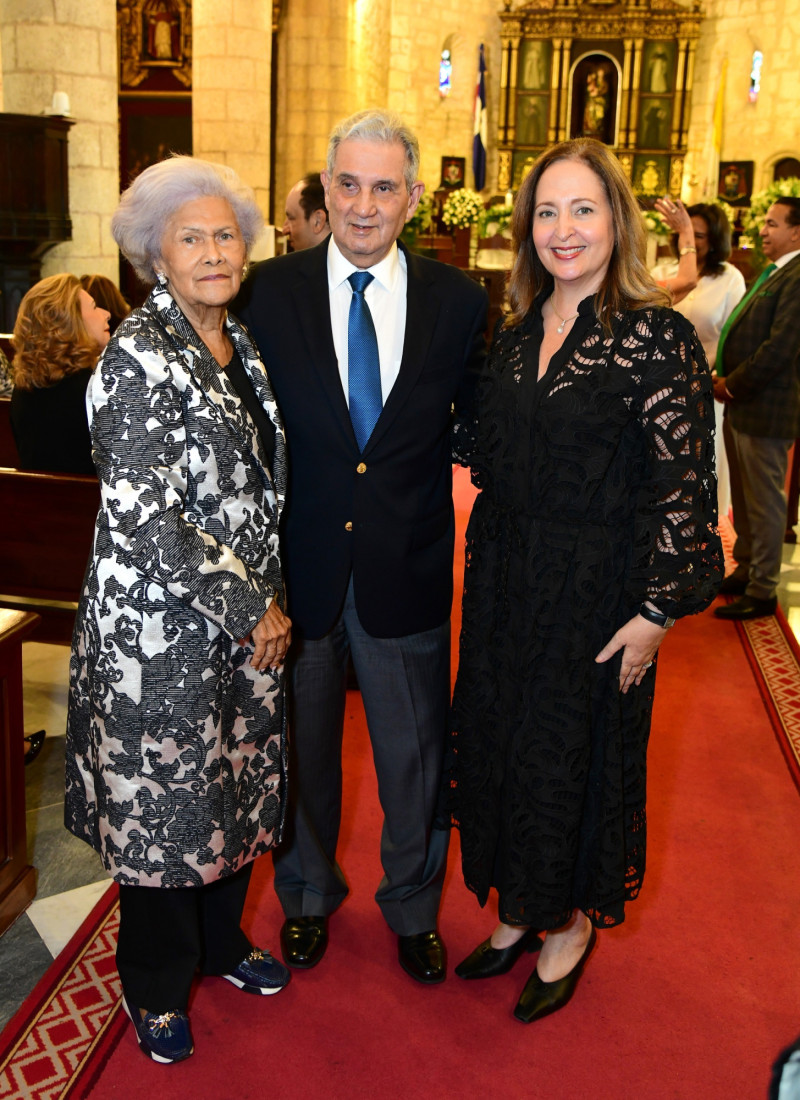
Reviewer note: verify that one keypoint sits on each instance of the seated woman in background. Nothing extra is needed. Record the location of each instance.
(58, 337)
(719, 288)
(107, 295)
(6, 385)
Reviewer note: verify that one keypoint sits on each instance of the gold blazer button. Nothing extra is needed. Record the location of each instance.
(348, 526)
(361, 468)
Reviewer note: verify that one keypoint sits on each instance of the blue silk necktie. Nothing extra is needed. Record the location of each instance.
(363, 362)
(737, 309)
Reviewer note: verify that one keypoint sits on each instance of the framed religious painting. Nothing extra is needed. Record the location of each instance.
(658, 68)
(655, 117)
(735, 182)
(531, 120)
(453, 172)
(534, 65)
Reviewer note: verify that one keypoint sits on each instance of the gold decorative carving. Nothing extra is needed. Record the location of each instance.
(154, 34)
(504, 171)
(620, 70)
(676, 176)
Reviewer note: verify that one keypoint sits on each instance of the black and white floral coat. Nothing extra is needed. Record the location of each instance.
(175, 744)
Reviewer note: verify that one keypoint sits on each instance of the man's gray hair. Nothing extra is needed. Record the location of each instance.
(377, 125)
(139, 222)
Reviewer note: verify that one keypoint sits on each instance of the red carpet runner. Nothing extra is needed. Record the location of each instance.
(691, 999)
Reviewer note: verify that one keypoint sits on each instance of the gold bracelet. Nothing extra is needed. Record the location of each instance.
(685, 251)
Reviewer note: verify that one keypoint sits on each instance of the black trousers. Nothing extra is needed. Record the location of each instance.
(166, 935)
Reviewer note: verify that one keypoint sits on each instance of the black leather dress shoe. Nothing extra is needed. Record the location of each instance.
(487, 961)
(541, 998)
(748, 607)
(303, 941)
(423, 956)
(735, 584)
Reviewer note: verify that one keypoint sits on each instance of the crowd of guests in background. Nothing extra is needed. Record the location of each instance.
(367, 366)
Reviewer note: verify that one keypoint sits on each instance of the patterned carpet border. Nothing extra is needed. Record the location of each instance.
(58, 1037)
(774, 656)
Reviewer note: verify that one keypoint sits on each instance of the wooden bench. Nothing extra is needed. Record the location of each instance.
(47, 526)
(8, 448)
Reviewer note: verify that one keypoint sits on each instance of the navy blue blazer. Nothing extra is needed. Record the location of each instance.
(385, 516)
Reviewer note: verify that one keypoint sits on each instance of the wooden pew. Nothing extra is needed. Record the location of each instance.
(8, 448)
(45, 542)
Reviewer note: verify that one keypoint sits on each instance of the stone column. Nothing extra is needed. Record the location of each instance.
(71, 47)
(232, 41)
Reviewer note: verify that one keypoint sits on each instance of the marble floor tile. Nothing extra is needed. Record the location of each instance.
(44, 776)
(58, 917)
(24, 959)
(62, 861)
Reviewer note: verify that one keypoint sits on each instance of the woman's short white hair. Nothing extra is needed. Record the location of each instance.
(139, 221)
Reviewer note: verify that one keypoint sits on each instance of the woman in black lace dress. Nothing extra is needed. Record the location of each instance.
(595, 528)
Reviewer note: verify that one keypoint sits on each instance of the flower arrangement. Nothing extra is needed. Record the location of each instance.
(655, 224)
(753, 219)
(462, 208)
(495, 220)
(727, 210)
(419, 222)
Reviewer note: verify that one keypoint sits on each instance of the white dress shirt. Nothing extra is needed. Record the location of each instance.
(785, 258)
(386, 298)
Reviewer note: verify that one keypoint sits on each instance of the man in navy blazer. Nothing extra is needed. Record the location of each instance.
(368, 532)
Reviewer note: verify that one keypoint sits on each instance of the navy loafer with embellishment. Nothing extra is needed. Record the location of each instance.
(259, 973)
(163, 1036)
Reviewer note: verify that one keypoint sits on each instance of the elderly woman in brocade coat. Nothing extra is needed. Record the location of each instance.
(176, 729)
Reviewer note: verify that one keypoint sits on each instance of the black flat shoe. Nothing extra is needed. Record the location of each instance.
(488, 962)
(423, 956)
(303, 941)
(541, 998)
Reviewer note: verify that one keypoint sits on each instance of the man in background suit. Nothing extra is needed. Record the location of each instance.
(760, 383)
(306, 217)
(368, 537)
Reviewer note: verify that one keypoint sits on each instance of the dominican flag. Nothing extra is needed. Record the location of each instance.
(479, 141)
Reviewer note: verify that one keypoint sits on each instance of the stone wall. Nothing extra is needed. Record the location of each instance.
(232, 41)
(70, 46)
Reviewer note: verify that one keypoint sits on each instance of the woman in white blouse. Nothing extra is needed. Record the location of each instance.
(709, 303)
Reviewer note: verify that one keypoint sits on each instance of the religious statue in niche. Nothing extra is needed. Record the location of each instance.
(161, 31)
(594, 97)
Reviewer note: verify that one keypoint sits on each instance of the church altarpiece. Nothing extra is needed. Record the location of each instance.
(619, 72)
